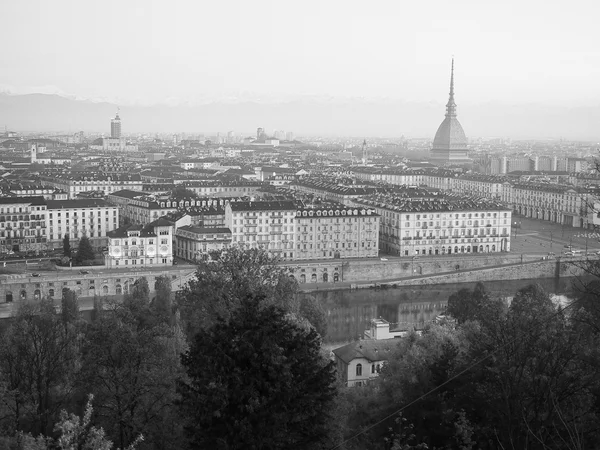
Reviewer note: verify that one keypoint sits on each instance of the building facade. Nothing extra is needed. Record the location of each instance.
(441, 225)
(136, 246)
(197, 243)
(450, 143)
(263, 224)
(336, 232)
(76, 184)
(23, 224)
(93, 218)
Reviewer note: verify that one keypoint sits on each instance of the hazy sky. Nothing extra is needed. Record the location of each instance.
(151, 51)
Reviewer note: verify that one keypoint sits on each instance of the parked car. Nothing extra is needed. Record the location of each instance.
(35, 274)
(83, 272)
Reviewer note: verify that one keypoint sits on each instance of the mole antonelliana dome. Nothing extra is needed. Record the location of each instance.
(450, 142)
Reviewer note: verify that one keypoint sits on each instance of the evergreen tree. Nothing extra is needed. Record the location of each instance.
(162, 303)
(70, 308)
(221, 286)
(268, 385)
(85, 252)
(66, 246)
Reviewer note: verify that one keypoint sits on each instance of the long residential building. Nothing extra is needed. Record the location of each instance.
(440, 225)
(571, 205)
(334, 192)
(568, 205)
(76, 184)
(36, 224)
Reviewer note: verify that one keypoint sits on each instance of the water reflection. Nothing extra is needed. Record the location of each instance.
(349, 312)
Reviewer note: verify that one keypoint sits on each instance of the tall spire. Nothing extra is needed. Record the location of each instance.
(451, 106)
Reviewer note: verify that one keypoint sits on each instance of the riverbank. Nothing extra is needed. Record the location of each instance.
(538, 268)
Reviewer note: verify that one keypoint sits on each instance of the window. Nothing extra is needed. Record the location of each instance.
(359, 370)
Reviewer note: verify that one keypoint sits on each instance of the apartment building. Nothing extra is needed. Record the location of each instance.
(134, 246)
(440, 225)
(563, 204)
(336, 232)
(93, 218)
(74, 184)
(33, 190)
(241, 188)
(23, 224)
(264, 224)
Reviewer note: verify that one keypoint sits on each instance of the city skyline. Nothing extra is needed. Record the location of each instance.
(187, 52)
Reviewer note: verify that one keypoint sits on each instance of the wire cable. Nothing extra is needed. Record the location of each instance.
(452, 378)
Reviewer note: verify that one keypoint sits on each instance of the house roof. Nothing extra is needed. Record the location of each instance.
(84, 203)
(205, 230)
(31, 200)
(370, 349)
(263, 206)
(160, 223)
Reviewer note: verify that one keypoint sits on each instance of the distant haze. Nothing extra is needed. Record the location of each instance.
(178, 52)
(310, 116)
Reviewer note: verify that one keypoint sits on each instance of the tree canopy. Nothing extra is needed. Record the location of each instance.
(85, 252)
(221, 286)
(66, 246)
(268, 385)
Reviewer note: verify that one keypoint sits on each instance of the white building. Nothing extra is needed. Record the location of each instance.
(439, 225)
(137, 246)
(336, 232)
(263, 224)
(93, 218)
(361, 361)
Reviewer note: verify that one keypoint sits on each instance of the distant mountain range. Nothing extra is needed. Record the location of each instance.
(303, 116)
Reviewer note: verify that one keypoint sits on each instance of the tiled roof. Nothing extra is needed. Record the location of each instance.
(121, 232)
(127, 193)
(30, 200)
(263, 206)
(160, 223)
(84, 203)
(205, 230)
(334, 211)
(372, 350)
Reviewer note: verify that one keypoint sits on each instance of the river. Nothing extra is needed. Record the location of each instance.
(349, 312)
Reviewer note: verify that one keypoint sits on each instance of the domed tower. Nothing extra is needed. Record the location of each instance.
(450, 142)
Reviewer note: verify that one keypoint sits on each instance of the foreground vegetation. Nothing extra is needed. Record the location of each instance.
(235, 362)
